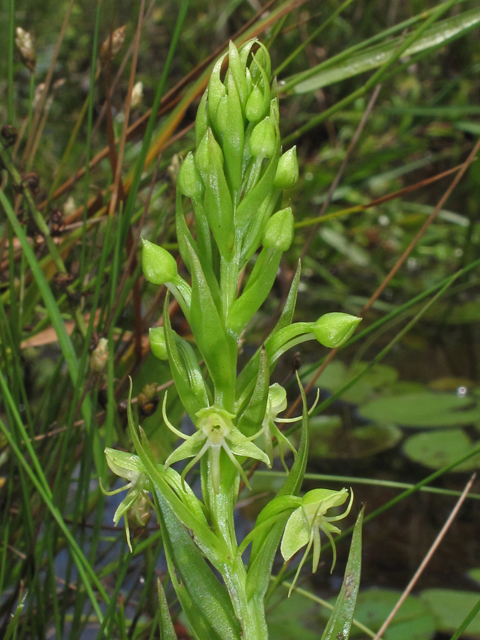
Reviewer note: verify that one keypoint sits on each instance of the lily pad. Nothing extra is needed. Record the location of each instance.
(333, 440)
(426, 409)
(436, 449)
(475, 574)
(413, 621)
(337, 374)
(450, 608)
(292, 617)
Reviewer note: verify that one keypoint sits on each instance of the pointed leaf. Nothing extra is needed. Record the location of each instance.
(179, 373)
(204, 600)
(252, 417)
(443, 32)
(342, 615)
(243, 309)
(248, 374)
(167, 632)
(217, 348)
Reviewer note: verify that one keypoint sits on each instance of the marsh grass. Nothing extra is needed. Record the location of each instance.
(64, 571)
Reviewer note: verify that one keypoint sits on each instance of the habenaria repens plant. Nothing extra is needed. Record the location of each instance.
(234, 182)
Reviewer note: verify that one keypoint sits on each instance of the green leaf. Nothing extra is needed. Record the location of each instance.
(338, 627)
(450, 607)
(423, 410)
(167, 632)
(252, 202)
(189, 399)
(245, 307)
(217, 348)
(248, 374)
(203, 235)
(217, 200)
(437, 449)
(252, 416)
(438, 35)
(204, 600)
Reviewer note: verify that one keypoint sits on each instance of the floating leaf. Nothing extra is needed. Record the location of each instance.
(475, 574)
(292, 617)
(337, 375)
(423, 410)
(330, 439)
(436, 449)
(450, 608)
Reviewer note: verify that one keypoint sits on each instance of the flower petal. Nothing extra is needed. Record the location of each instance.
(296, 534)
(188, 449)
(241, 446)
(123, 464)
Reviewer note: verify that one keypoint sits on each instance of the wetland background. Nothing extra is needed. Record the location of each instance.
(382, 101)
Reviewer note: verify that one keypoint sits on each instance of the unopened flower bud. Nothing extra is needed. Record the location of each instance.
(208, 152)
(158, 344)
(111, 49)
(287, 170)
(262, 139)
(24, 42)
(334, 329)
(278, 232)
(189, 180)
(99, 358)
(159, 266)
(255, 107)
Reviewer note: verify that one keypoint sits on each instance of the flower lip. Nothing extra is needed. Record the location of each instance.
(215, 423)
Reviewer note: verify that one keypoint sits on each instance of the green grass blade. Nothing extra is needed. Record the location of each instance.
(439, 35)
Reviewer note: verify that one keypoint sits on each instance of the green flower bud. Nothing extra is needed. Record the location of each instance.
(158, 343)
(278, 232)
(334, 329)
(287, 170)
(262, 139)
(189, 181)
(159, 266)
(208, 152)
(255, 107)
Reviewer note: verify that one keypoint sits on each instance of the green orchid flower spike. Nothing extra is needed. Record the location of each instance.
(232, 229)
(306, 522)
